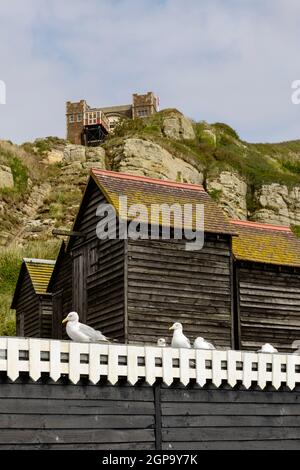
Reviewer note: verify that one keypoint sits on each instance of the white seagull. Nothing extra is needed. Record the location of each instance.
(267, 348)
(81, 333)
(200, 343)
(296, 345)
(179, 340)
(161, 342)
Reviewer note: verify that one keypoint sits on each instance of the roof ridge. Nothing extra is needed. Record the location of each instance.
(260, 225)
(147, 179)
(40, 261)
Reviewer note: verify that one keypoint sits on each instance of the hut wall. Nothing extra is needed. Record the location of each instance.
(28, 310)
(121, 417)
(46, 311)
(268, 305)
(166, 283)
(62, 296)
(98, 272)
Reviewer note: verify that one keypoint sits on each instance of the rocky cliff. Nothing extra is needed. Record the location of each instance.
(41, 183)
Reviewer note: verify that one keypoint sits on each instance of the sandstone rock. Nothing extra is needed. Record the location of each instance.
(89, 165)
(54, 156)
(208, 137)
(74, 153)
(73, 168)
(142, 157)
(6, 177)
(278, 204)
(178, 127)
(230, 191)
(95, 154)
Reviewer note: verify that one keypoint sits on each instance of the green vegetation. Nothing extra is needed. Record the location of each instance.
(10, 263)
(296, 230)
(258, 163)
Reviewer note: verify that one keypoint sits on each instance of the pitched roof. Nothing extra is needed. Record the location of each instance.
(265, 243)
(149, 191)
(40, 271)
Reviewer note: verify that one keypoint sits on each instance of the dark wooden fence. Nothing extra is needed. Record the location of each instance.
(48, 415)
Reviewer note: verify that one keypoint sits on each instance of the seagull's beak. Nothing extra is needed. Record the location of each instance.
(171, 327)
(65, 320)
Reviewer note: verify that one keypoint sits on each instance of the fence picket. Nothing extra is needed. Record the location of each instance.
(97, 360)
(34, 359)
(74, 362)
(54, 352)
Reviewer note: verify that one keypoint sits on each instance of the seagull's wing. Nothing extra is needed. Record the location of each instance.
(211, 346)
(92, 334)
(187, 341)
(296, 344)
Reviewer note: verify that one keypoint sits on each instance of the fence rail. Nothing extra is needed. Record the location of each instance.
(96, 361)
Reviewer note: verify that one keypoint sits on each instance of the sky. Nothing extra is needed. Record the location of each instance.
(230, 61)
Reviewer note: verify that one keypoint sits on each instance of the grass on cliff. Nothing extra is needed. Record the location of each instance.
(10, 263)
(217, 147)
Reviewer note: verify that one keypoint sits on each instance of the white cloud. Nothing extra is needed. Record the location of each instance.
(216, 60)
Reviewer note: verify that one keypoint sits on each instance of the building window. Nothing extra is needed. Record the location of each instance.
(142, 112)
(79, 117)
(71, 118)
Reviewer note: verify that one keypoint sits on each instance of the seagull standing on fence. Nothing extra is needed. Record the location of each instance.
(179, 340)
(296, 345)
(161, 342)
(81, 333)
(200, 343)
(267, 348)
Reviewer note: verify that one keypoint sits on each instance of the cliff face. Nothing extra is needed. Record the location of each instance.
(41, 183)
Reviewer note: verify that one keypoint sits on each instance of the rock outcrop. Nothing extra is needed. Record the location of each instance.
(146, 158)
(278, 204)
(178, 127)
(230, 191)
(6, 177)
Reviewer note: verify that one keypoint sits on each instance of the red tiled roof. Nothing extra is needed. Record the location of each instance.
(149, 191)
(266, 243)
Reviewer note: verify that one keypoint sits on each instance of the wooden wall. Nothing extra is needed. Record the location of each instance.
(46, 312)
(28, 310)
(63, 416)
(229, 419)
(62, 288)
(166, 283)
(268, 306)
(98, 272)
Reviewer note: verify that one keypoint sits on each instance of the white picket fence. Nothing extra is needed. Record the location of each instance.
(96, 361)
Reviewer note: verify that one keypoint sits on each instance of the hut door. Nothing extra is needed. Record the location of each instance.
(79, 282)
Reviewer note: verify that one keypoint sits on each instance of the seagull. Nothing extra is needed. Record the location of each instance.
(296, 345)
(161, 342)
(200, 343)
(267, 348)
(81, 333)
(179, 340)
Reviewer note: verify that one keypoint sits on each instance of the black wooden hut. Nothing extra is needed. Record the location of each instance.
(31, 301)
(132, 290)
(60, 286)
(267, 285)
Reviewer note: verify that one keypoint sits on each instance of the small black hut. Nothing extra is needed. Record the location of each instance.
(132, 290)
(31, 301)
(267, 285)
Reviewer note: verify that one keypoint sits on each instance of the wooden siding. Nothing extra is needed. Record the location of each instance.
(64, 416)
(28, 310)
(98, 271)
(166, 283)
(62, 296)
(199, 419)
(56, 416)
(268, 306)
(46, 312)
